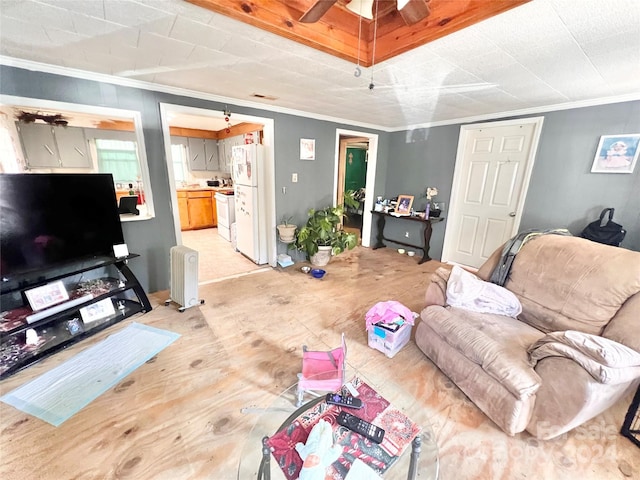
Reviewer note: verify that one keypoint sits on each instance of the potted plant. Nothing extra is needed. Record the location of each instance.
(286, 230)
(323, 235)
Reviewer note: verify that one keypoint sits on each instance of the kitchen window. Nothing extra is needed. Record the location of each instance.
(120, 158)
(179, 161)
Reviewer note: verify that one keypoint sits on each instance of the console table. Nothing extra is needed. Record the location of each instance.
(426, 233)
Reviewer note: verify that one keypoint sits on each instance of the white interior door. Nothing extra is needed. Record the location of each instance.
(492, 173)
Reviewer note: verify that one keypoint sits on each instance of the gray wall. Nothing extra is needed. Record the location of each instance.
(562, 193)
(152, 239)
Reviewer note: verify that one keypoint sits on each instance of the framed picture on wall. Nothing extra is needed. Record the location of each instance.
(307, 149)
(404, 204)
(616, 154)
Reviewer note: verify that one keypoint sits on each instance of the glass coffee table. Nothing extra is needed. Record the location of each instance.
(418, 461)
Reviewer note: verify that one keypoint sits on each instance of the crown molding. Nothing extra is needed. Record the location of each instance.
(156, 87)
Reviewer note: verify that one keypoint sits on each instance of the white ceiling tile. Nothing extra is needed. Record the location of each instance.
(180, 8)
(130, 13)
(63, 38)
(197, 33)
(542, 53)
(168, 47)
(589, 20)
(212, 58)
(34, 12)
(91, 26)
(90, 8)
(22, 34)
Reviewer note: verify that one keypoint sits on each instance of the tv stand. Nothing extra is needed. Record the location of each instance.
(102, 291)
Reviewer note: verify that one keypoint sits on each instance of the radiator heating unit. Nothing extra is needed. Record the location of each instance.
(184, 278)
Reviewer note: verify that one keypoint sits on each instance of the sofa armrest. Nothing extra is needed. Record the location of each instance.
(624, 327)
(436, 293)
(569, 396)
(606, 361)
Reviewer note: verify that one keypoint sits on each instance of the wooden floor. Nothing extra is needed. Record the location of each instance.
(180, 415)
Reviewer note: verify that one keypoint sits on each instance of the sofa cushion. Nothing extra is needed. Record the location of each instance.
(569, 283)
(495, 342)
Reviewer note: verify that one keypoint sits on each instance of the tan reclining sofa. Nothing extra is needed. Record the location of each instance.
(571, 354)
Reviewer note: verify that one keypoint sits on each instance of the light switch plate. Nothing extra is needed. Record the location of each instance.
(294, 178)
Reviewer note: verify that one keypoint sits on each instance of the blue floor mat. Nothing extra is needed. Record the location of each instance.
(62, 392)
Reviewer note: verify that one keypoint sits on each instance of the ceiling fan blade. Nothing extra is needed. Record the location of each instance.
(414, 10)
(316, 11)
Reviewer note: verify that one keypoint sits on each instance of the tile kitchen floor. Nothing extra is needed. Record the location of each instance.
(217, 258)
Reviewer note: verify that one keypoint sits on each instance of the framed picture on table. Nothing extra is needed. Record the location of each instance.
(47, 295)
(404, 204)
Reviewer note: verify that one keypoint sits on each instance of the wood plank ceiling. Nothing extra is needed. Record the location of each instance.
(342, 33)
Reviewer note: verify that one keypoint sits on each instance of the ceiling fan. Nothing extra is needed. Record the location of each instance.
(411, 11)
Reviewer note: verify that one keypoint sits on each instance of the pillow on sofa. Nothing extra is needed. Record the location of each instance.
(465, 290)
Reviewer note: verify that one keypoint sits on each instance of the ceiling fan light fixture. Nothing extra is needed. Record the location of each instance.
(413, 11)
(364, 8)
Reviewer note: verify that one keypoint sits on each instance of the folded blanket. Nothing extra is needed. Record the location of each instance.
(606, 360)
(465, 290)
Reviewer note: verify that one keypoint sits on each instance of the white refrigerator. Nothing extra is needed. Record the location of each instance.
(248, 178)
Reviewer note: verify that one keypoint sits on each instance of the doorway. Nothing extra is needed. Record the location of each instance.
(356, 158)
(218, 259)
(493, 168)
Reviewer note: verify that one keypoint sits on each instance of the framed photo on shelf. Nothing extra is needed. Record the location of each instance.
(97, 311)
(404, 204)
(47, 295)
(616, 154)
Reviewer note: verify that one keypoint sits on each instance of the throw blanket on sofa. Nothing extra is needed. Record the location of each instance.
(605, 360)
(465, 290)
(512, 247)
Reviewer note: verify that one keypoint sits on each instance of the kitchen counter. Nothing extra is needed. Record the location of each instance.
(225, 190)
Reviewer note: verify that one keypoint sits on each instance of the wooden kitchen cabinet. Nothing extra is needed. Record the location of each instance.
(183, 210)
(197, 209)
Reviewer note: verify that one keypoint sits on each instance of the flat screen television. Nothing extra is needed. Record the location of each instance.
(47, 220)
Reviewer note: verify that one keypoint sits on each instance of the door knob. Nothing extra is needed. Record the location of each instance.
(512, 214)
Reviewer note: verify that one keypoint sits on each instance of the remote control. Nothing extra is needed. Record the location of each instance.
(366, 429)
(343, 400)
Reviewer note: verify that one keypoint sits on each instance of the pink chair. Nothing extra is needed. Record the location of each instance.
(321, 371)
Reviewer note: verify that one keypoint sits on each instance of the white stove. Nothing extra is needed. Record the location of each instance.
(226, 209)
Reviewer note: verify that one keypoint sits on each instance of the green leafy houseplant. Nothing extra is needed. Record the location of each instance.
(323, 228)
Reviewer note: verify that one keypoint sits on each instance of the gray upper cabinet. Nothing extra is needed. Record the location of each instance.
(46, 146)
(222, 155)
(39, 145)
(197, 155)
(211, 152)
(72, 146)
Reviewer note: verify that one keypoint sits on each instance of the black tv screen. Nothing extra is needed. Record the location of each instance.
(47, 220)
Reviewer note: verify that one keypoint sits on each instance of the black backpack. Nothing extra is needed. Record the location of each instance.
(605, 231)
